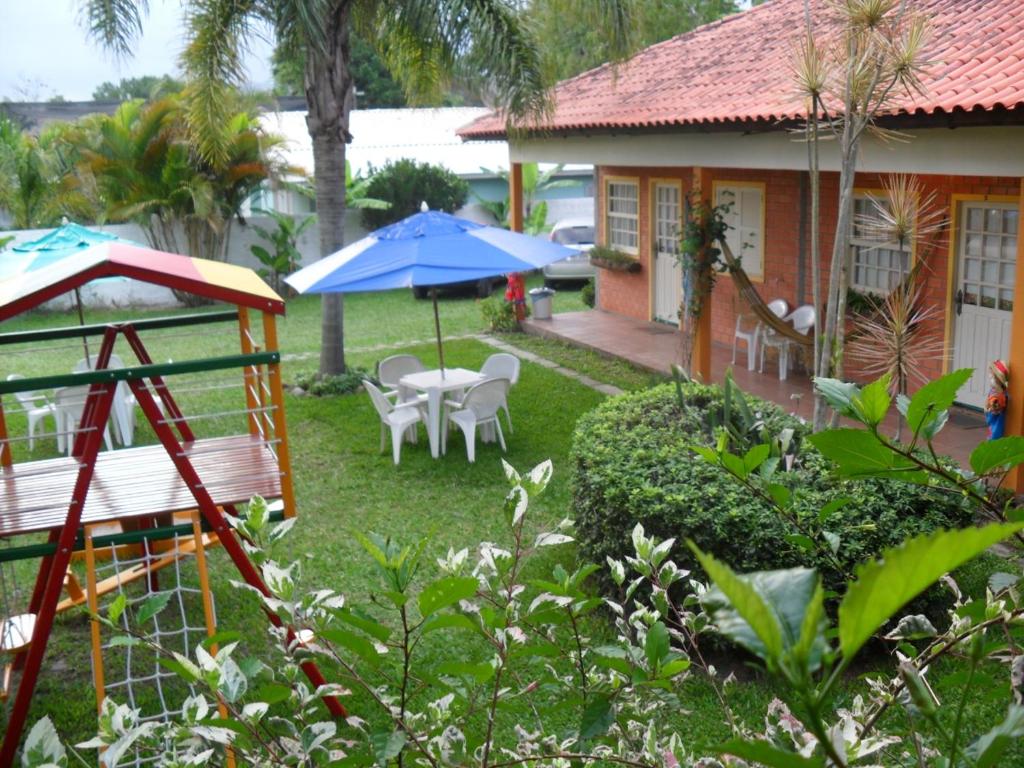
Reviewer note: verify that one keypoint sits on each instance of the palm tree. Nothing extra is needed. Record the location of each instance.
(140, 167)
(423, 42)
(35, 177)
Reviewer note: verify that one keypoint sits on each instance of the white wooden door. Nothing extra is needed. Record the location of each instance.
(983, 295)
(668, 275)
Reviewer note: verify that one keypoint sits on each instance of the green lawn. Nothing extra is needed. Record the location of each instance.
(344, 485)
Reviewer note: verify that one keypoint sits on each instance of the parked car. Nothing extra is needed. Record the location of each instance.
(578, 234)
(483, 287)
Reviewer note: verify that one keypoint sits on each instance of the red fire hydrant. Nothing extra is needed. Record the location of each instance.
(516, 293)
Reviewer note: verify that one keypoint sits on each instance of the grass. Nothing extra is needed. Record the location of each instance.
(344, 485)
(605, 369)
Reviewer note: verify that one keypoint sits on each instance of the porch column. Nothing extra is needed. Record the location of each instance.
(1015, 416)
(515, 197)
(701, 361)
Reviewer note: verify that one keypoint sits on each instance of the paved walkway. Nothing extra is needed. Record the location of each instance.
(655, 346)
(569, 373)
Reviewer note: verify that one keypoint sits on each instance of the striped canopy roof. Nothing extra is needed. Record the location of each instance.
(210, 279)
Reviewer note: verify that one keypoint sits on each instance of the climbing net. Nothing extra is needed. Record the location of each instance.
(165, 571)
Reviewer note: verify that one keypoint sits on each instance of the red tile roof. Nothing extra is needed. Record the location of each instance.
(738, 70)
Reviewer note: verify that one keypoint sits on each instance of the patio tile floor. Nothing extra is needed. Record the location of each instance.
(655, 346)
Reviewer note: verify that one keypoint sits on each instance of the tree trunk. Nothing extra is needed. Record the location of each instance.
(330, 92)
(830, 363)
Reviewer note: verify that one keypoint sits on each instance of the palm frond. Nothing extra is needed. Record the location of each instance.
(115, 24)
(212, 60)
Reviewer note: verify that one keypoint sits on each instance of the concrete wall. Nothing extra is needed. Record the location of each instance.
(121, 292)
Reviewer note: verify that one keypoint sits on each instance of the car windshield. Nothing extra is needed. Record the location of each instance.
(581, 235)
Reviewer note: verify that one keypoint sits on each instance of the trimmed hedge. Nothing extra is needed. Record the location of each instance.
(631, 464)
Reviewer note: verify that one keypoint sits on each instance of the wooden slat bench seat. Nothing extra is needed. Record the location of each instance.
(135, 482)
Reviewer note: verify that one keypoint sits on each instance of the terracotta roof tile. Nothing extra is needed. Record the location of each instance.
(738, 69)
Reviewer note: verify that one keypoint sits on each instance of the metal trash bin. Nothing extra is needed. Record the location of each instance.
(540, 299)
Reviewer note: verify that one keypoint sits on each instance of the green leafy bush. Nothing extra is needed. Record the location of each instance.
(500, 315)
(631, 465)
(341, 384)
(406, 184)
(587, 293)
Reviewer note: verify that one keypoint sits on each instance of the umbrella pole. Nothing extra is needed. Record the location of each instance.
(81, 321)
(437, 330)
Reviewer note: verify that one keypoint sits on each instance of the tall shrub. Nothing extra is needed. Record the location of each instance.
(406, 185)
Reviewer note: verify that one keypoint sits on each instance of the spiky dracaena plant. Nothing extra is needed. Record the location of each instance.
(895, 337)
(877, 53)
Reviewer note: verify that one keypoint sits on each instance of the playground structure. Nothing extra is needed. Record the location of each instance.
(144, 508)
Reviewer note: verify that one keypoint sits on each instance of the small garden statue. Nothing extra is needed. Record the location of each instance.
(996, 402)
(516, 293)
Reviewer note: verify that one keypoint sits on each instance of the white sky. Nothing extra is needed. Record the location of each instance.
(44, 51)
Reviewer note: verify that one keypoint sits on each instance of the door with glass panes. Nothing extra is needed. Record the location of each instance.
(983, 292)
(668, 275)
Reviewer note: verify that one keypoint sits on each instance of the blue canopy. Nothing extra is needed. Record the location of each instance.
(58, 244)
(429, 248)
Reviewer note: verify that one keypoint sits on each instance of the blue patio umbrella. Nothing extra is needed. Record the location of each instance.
(426, 249)
(61, 243)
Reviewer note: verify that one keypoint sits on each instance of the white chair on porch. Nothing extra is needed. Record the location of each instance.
(802, 318)
(750, 336)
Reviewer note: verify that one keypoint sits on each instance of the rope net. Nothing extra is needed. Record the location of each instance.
(131, 673)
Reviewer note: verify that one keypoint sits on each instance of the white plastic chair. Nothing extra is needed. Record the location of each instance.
(390, 371)
(70, 405)
(37, 407)
(398, 418)
(780, 307)
(479, 408)
(502, 365)
(803, 320)
(123, 408)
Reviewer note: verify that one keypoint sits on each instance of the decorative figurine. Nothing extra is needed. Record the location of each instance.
(516, 293)
(995, 403)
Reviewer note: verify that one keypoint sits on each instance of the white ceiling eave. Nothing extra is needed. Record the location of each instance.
(986, 151)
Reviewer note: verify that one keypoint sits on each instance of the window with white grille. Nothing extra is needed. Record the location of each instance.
(622, 215)
(876, 262)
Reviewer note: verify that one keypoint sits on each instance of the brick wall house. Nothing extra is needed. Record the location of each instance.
(718, 104)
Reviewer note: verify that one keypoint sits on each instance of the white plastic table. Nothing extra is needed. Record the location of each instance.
(436, 383)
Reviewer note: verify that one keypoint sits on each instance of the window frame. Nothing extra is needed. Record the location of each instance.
(634, 181)
(866, 245)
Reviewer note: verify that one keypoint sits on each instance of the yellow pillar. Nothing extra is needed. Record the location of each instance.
(280, 428)
(701, 360)
(515, 197)
(1015, 415)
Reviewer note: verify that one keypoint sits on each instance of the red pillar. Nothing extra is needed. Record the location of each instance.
(515, 197)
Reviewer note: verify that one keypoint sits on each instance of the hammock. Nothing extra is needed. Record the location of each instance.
(749, 294)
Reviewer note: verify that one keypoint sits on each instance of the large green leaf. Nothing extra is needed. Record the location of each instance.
(988, 750)
(935, 397)
(445, 592)
(858, 453)
(838, 394)
(886, 584)
(657, 646)
(750, 622)
(597, 717)
(387, 745)
(763, 753)
(872, 402)
(997, 453)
